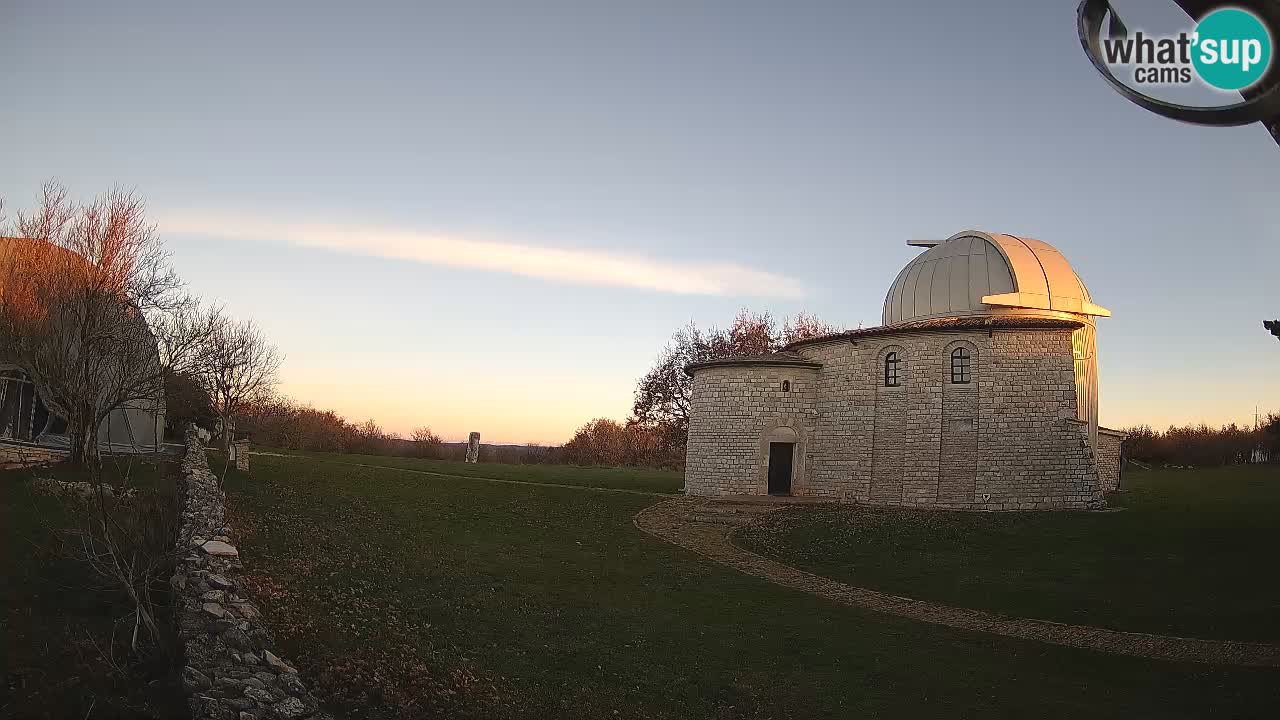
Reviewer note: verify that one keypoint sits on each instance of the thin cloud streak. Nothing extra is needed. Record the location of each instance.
(579, 267)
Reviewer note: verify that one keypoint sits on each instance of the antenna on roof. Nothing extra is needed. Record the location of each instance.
(925, 243)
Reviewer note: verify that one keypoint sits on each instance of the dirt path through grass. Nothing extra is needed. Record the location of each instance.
(706, 527)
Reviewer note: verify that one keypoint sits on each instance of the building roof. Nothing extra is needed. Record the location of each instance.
(22, 253)
(787, 357)
(773, 359)
(13, 244)
(978, 273)
(944, 324)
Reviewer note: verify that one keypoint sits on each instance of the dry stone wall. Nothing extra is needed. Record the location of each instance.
(231, 671)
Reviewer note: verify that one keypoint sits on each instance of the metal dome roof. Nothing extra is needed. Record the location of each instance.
(978, 273)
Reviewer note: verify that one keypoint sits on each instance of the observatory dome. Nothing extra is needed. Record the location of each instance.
(977, 273)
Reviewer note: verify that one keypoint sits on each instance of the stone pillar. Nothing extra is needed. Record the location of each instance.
(473, 447)
(240, 454)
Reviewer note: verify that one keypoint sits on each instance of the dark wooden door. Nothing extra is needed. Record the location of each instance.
(780, 468)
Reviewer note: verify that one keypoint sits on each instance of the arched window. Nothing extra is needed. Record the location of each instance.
(961, 366)
(891, 370)
(786, 386)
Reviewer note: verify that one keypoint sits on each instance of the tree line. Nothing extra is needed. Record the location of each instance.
(281, 422)
(1202, 445)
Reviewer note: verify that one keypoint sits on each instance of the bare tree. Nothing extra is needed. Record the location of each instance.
(805, 326)
(92, 311)
(663, 395)
(426, 443)
(240, 366)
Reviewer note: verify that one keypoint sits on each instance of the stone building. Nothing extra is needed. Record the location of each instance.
(979, 392)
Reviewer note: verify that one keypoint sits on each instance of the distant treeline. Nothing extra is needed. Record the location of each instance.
(1202, 445)
(284, 423)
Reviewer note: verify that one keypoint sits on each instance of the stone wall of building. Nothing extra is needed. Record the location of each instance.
(1008, 440)
(735, 411)
(231, 671)
(1033, 450)
(958, 447)
(1110, 458)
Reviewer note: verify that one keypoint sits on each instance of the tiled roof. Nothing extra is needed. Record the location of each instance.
(990, 322)
(774, 358)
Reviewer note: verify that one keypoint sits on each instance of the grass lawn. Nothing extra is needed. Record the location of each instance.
(1192, 553)
(641, 479)
(409, 595)
(57, 619)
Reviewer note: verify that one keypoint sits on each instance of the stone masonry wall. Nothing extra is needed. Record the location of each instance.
(1009, 440)
(958, 451)
(734, 411)
(231, 671)
(888, 453)
(1110, 458)
(915, 444)
(1033, 451)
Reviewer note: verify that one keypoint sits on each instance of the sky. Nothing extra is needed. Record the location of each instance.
(492, 216)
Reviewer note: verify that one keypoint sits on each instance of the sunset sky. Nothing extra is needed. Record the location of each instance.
(491, 216)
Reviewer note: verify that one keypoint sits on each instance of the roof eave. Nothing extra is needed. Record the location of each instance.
(956, 324)
(691, 368)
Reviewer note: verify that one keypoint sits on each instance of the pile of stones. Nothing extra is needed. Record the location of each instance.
(231, 672)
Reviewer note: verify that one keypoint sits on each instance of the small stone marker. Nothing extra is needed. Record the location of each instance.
(240, 455)
(473, 447)
(220, 549)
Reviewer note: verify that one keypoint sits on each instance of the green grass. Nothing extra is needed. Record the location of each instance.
(409, 595)
(137, 471)
(1192, 553)
(57, 618)
(640, 479)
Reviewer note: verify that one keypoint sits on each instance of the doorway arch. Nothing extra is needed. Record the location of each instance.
(782, 442)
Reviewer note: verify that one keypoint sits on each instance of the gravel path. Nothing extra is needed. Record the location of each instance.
(706, 526)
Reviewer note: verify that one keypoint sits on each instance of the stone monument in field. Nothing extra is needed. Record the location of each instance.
(473, 447)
